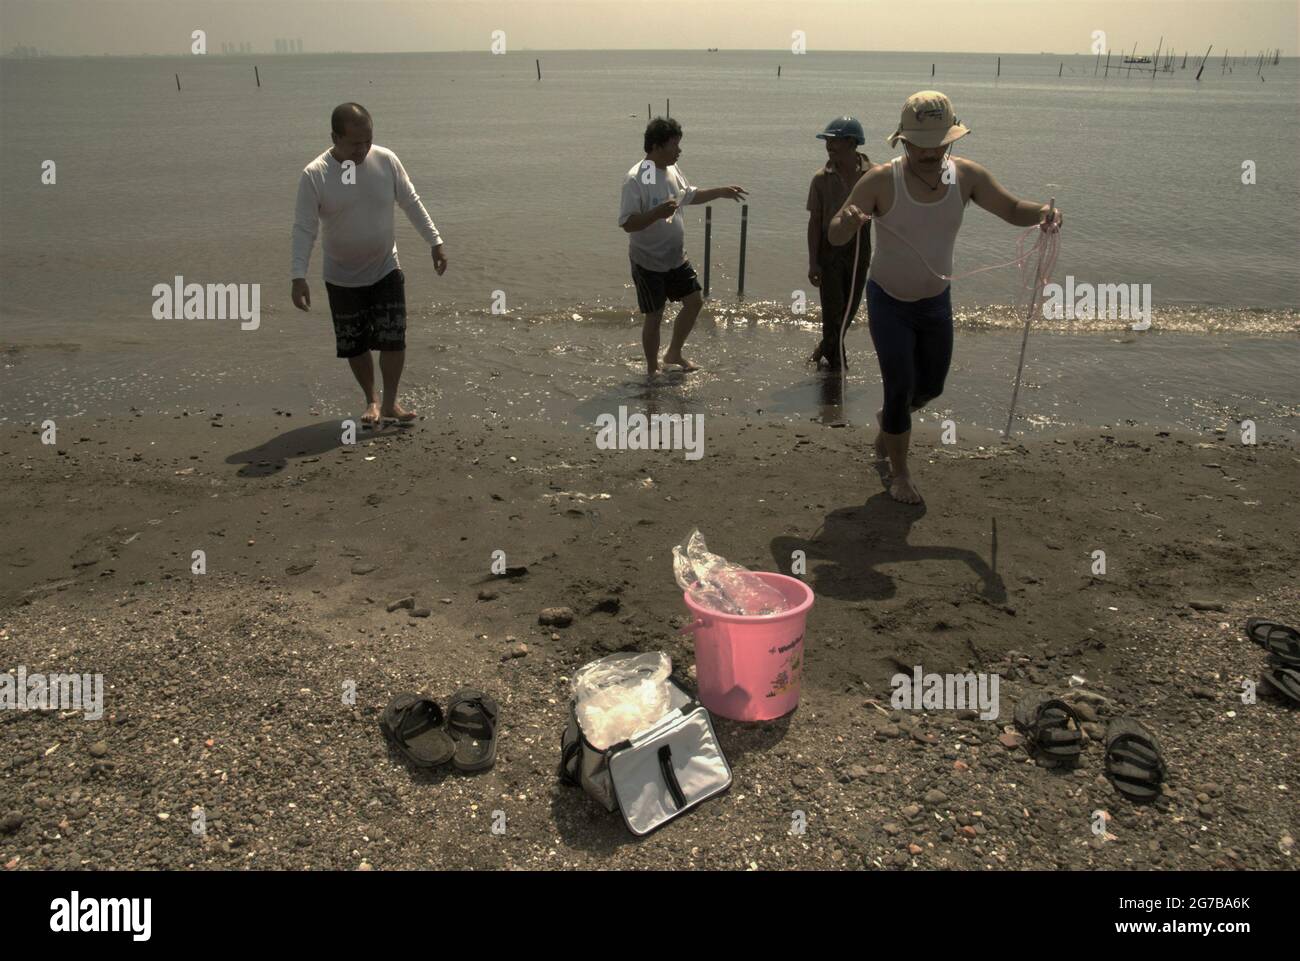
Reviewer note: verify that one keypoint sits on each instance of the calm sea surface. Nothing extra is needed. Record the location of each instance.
(522, 179)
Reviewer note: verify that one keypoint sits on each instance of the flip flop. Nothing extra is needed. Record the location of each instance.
(413, 724)
(1279, 640)
(1051, 727)
(472, 721)
(1283, 679)
(1133, 760)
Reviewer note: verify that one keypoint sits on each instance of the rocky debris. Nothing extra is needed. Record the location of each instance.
(407, 602)
(516, 651)
(419, 612)
(486, 595)
(98, 749)
(11, 822)
(1203, 605)
(556, 616)
(300, 567)
(363, 569)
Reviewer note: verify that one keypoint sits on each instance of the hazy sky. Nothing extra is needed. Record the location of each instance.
(1001, 26)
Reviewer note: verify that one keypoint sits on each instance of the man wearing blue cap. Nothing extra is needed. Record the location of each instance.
(831, 267)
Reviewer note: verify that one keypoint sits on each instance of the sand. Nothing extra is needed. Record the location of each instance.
(226, 690)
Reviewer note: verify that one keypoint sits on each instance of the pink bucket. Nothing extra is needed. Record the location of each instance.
(748, 668)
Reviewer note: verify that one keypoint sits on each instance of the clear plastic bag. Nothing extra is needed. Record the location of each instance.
(619, 695)
(716, 583)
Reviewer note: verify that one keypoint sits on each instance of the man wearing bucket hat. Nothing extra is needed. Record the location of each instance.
(831, 268)
(917, 203)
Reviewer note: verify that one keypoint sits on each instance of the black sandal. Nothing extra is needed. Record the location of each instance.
(1281, 641)
(472, 721)
(1133, 760)
(1051, 727)
(1283, 679)
(413, 724)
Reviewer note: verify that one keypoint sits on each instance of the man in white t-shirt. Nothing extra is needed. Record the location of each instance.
(349, 192)
(654, 191)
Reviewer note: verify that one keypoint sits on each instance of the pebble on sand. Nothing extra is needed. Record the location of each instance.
(407, 602)
(556, 616)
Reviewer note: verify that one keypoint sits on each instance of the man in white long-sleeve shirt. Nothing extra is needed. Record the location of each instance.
(349, 191)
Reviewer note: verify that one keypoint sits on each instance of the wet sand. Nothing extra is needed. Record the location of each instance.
(224, 688)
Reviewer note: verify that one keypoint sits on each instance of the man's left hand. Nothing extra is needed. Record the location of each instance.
(733, 192)
(440, 259)
(1055, 225)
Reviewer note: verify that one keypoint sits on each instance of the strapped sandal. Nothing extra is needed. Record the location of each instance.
(1281, 641)
(472, 721)
(1133, 760)
(413, 724)
(1051, 727)
(1283, 679)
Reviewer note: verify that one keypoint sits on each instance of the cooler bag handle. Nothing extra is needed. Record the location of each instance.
(670, 776)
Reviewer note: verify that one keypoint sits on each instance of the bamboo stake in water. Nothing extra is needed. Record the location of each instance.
(744, 229)
(178, 81)
(539, 68)
(708, 242)
(257, 76)
(1207, 56)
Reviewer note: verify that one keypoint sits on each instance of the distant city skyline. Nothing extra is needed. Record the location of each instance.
(165, 27)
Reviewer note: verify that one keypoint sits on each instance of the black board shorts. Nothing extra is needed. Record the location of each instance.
(369, 318)
(654, 287)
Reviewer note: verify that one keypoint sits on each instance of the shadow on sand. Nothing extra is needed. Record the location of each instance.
(310, 441)
(845, 555)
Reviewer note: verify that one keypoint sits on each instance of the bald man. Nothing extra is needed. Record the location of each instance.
(349, 192)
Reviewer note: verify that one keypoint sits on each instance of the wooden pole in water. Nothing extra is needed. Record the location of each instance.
(1107, 73)
(538, 61)
(1207, 56)
(178, 81)
(778, 71)
(932, 70)
(1060, 68)
(744, 229)
(708, 241)
(647, 111)
(257, 76)
(999, 66)
(668, 107)
(1155, 63)
(1097, 66)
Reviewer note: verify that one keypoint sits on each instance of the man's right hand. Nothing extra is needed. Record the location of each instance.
(856, 216)
(665, 210)
(301, 294)
(815, 276)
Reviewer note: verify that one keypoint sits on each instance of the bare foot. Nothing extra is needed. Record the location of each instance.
(371, 417)
(903, 490)
(881, 453)
(396, 411)
(681, 362)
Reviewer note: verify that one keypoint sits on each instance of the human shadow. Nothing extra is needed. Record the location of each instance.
(844, 556)
(309, 441)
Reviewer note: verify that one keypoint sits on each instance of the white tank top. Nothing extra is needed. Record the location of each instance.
(929, 228)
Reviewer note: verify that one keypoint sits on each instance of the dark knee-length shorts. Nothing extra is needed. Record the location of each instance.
(369, 318)
(913, 341)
